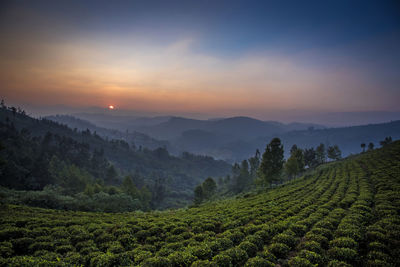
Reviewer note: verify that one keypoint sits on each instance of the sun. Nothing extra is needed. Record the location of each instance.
(111, 107)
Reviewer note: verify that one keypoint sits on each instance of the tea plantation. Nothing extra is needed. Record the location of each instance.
(346, 213)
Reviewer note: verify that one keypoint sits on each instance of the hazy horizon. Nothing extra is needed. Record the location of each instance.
(329, 119)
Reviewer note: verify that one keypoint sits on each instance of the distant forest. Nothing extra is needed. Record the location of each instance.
(47, 164)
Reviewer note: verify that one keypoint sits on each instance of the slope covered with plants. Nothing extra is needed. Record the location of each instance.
(39, 154)
(345, 213)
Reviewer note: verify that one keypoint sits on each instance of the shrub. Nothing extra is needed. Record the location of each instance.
(280, 250)
(336, 263)
(222, 260)
(237, 255)
(377, 246)
(312, 246)
(41, 246)
(64, 249)
(140, 255)
(258, 262)
(299, 229)
(221, 244)
(115, 247)
(256, 240)
(344, 242)
(286, 239)
(300, 262)
(12, 233)
(181, 258)
(21, 245)
(343, 254)
(266, 254)
(202, 251)
(156, 262)
(204, 263)
(6, 249)
(311, 256)
(249, 247)
(377, 255)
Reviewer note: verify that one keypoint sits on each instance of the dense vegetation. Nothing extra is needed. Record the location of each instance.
(54, 166)
(345, 213)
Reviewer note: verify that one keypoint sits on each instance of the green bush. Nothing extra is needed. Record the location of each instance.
(204, 263)
(343, 254)
(21, 245)
(202, 251)
(313, 257)
(258, 262)
(337, 263)
(280, 250)
(221, 244)
(286, 239)
(237, 255)
(344, 242)
(156, 262)
(181, 258)
(6, 250)
(222, 260)
(300, 262)
(13, 233)
(312, 246)
(249, 247)
(64, 249)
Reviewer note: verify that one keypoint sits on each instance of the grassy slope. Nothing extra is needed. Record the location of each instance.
(346, 213)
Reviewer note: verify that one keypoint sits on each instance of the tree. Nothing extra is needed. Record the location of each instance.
(209, 187)
(363, 147)
(254, 163)
(334, 152)
(310, 157)
(198, 195)
(272, 162)
(243, 179)
(129, 187)
(386, 141)
(320, 154)
(291, 166)
(295, 163)
(111, 175)
(371, 146)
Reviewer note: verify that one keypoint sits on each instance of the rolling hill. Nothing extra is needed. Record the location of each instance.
(237, 138)
(343, 214)
(31, 146)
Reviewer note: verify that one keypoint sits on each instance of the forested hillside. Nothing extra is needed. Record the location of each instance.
(131, 137)
(345, 213)
(40, 154)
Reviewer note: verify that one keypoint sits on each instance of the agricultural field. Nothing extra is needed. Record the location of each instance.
(345, 213)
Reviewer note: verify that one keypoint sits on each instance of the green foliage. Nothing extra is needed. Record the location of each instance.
(272, 162)
(209, 187)
(341, 214)
(258, 262)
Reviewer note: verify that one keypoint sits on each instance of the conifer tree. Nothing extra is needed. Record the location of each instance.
(271, 163)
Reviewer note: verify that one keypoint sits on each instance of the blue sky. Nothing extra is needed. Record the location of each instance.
(216, 58)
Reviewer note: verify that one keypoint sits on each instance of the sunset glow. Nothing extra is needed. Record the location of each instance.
(202, 59)
(110, 107)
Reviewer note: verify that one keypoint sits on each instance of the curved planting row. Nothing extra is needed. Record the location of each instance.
(346, 214)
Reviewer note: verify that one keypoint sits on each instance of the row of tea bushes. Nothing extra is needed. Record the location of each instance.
(345, 214)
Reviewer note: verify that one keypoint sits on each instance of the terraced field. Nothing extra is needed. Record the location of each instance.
(344, 214)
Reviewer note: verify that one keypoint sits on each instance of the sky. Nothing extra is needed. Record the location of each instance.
(272, 60)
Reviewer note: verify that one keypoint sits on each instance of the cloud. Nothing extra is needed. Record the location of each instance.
(174, 77)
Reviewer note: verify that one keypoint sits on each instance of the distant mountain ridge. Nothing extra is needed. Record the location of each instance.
(136, 138)
(182, 172)
(237, 138)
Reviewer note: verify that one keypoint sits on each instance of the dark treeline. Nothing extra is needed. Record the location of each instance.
(58, 167)
(271, 169)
